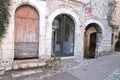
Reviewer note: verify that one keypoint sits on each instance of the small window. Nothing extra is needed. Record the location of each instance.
(112, 39)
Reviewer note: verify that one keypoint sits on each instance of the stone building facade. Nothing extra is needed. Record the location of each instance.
(77, 28)
(115, 22)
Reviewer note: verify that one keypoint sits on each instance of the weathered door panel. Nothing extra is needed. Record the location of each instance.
(26, 32)
(92, 45)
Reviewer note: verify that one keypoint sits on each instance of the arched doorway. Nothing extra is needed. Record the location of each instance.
(117, 44)
(26, 32)
(91, 38)
(63, 35)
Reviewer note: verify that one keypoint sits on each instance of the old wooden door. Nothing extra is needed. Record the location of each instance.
(26, 32)
(92, 44)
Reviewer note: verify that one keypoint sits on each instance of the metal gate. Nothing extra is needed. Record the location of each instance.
(26, 32)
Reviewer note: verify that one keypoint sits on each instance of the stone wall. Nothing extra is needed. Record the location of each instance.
(116, 13)
(99, 15)
(48, 10)
(115, 21)
(7, 48)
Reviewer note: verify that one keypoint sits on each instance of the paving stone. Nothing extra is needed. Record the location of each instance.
(15, 66)
(0, 77)
(2, 67)
(66, 66)
(114, 76)
(32, 64)
(23, 65)
(41, 64)
(26, 72)
(2, 72)
(8, 67)
(16, 75)
(28, 64)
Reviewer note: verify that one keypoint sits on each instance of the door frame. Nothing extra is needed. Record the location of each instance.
(62, 28)
(100, 31)
(38, 33)
(76, 19)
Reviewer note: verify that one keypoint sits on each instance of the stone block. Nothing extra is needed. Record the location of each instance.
(2, 68)
(38, 71)
(5, 62)
(16, 75)
(2, 72)
(23, 65)
(41, 64)
(32, 64)
(15, 66)
(27, 73)
(8, 67)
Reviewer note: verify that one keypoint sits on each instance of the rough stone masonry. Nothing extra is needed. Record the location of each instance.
(83, 13)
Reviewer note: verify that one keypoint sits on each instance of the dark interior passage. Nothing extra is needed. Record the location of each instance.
(63, 36)
(91, 38)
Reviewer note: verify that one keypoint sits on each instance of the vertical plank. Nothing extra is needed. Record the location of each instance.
(26, 32)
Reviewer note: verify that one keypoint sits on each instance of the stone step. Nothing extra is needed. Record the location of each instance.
(26, 72)
(2, 72)
(23, 64)
(2, 68)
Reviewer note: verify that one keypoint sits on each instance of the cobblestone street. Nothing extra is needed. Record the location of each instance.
(66, 65)
(114, 76)
(103, 68)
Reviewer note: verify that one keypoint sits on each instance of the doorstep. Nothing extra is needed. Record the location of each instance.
(23, 64)
(26, 72)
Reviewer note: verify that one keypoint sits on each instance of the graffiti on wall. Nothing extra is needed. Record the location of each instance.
(88, 8)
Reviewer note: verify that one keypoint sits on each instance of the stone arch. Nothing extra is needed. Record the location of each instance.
(38, 9)
(27, 3)
(68, 12)
(93, 27)
(72, 15)
(63, 35)
(96, 22)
